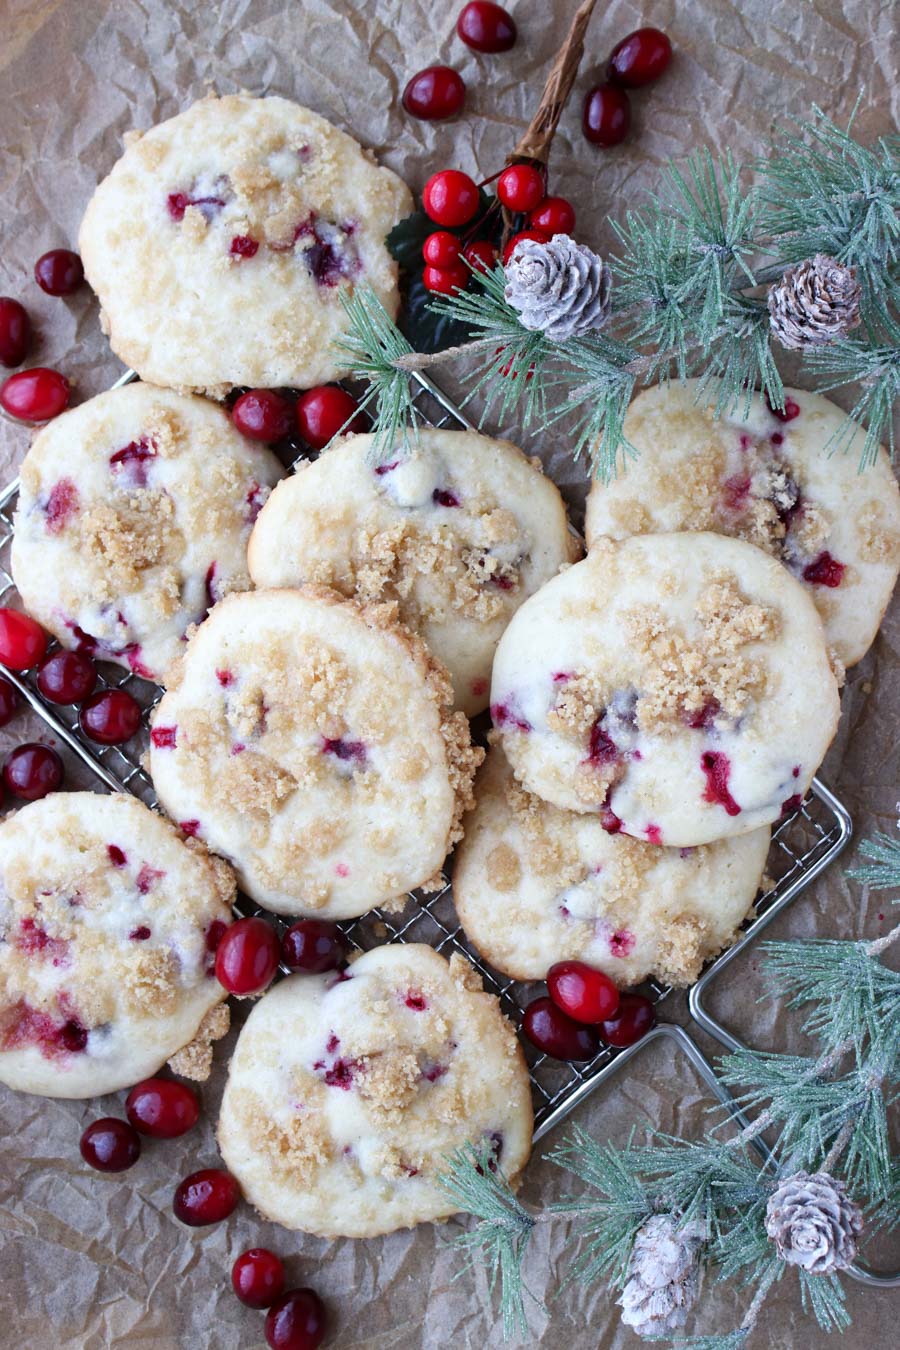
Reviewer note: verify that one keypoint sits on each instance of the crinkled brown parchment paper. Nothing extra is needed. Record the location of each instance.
(90, 1262)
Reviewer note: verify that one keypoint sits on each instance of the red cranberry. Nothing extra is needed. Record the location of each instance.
(639, 58)
(110, 1145)
(296, 1322)
(35, 395)
(32, 770)
(247, 957)
(263, 415)
(324, 411)
(257, 1277)
(606, 116)
(481, 255)
(584, 993)
(538, 235)
(521, 187)
(435, 92)
(9, 701)
(441, 249)
(66, 677)
(313, 945)
(22, 640)
(450, 197)
(554, 215)
(59, 272)
(548, 1028)
(15, 332)
(486, 27)
(207, 1196)
(444, 281)
(162, 1108)
(110, 716)
(634, 1019)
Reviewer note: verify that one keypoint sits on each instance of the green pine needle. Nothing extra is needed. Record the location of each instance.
(882, 871)
(823, 1296)
(370, 346)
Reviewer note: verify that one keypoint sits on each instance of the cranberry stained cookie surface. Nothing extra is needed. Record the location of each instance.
(347, 1093)
(774, 480)
(133, 519)
(677, 684)
(110, 923)
(534, 884)
(222, 241)
(312, 742)
(459, 531)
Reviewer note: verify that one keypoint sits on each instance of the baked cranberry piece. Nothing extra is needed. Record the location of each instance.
(325, 411)
(247, 957)
(35, 395)
(22, 640)
(110, 716)
(32, 770)
(824, 571)
(110, 1145)
(205, 1197)
(313, 946)
(587, 995)
(263, 415)
(243, 246)
(9, 701)
(434, 93)
(59, 272)
(556, 1034)
(162, 1108)
(717, 768)
(296, 1322)
(257, 1277)
(15, 332)
(486, 27)
(66, 677)
(634, 1019)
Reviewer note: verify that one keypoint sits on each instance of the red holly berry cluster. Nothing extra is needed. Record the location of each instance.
(38, 394)
(637, 60)
(584, 1011)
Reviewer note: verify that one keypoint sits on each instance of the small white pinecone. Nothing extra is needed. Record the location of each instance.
(560, 288)
(813, 1222)
(814, 303)
(663, 1276)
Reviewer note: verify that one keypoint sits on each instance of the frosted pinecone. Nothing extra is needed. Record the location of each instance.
(663, 1276)
(560, 288)
(814, 303)
(813, 1222)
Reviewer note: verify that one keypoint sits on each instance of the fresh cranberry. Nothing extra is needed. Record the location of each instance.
(450, 198)
(481, 255)
(556, 1034)
(22, 640)
(15, 332)
(313, 945)
(263, 415)
(110, 1145)
(32, 770)
(824, 571)
(584, 993)
(257, 1277)
(634, 1019)
(296, 1322)
(35, 395)
(521, 187)
(444, 281)
(59, 272)
(110, 716)
(66, 677)
(640, 58)
(162, 1108)
(207, 1196)
(247, 957)
(554, 215)
(486, 27)
(324, 411)
(9, 701)
(441, 249)
(434, 93)
(539, 236)
(606, 115)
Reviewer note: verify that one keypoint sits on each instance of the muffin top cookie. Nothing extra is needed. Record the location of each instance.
(678, 684)
(769, 478)
(221, 242)
(459, 533)
(312, 742)
(533, 885)
(346, 1094)
(133, 518)
(109, 924)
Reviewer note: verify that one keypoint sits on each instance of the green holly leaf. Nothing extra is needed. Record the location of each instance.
(425, 330)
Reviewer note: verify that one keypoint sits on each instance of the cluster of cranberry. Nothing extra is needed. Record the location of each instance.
(318, 415)
(38, 394)
(584, 1012)
(440, 91)
(637, 60)
(249, 953)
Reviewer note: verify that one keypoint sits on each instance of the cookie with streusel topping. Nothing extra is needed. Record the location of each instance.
(774, 480)
(533, 884)
(677, 684)
(347, 1093)
(458, 531)
(312, 742)
(133, 519)
(222, 243)
(110, 923)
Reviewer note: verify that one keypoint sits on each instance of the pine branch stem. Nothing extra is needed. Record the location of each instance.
(840, 1143)
(881, 944)
(413, 361)
(752, 1314)
(824, 1064)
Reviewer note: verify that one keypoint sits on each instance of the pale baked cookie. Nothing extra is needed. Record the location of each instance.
(678, 684)
(769, 479)
(109, 926)
(346, 1094)
(312, 742)
(459, 533)
(133, 519)
(533, 885)
(221, 242)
